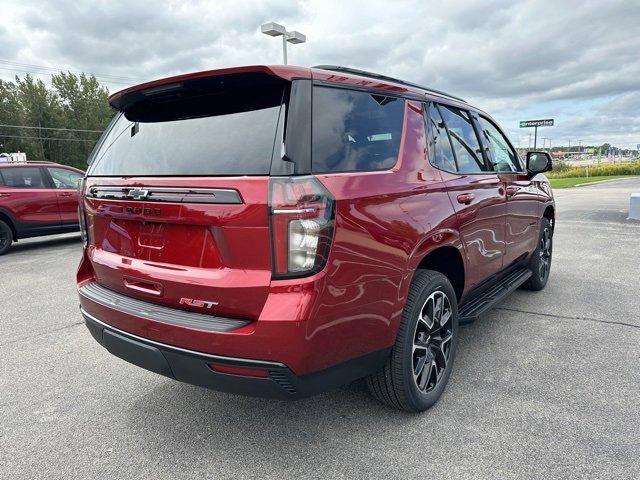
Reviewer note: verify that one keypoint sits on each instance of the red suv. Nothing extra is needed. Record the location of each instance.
(278, 231)
(37, 198)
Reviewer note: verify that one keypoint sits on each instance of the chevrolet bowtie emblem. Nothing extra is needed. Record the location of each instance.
(138, 193)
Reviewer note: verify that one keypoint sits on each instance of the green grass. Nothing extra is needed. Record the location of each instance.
(562, 170)
(573, 181)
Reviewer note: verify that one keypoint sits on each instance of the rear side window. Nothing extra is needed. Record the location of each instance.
(23, 177)
(354, 131)
(64, 178)
(464, 140)
(228, 133)
(439, 145)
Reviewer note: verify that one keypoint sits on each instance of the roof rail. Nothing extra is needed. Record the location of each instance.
(15, 158)
(363, 73)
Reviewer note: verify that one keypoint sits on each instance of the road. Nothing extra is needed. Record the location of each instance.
(545, 386)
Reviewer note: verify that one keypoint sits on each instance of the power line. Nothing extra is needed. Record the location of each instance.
(104, 80)
(51, 128)
(56, 70)
(48, 138)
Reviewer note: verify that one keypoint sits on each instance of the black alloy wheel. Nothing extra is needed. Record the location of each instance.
(432, 341)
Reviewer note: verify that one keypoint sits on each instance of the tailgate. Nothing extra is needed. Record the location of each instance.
(201, 247)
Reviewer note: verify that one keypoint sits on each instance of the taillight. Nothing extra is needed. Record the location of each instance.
(82, 216)
(302, 217)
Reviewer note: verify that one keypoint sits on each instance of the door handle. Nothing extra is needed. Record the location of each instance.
(65, 194)
(5, 195)
(466, 198)
(511, 190)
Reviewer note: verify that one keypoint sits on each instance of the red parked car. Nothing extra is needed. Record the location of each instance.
(278, 231)
(37, 198)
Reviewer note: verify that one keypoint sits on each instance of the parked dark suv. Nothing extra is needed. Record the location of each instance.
(278, 231)
(37, 198)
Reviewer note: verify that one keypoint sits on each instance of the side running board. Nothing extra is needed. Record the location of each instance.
(474, 308)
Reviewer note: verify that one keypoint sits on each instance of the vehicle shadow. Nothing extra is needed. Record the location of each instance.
(44, 242)
(244, 432)
(252, 436)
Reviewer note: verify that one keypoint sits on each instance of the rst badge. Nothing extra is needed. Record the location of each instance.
(192, 302)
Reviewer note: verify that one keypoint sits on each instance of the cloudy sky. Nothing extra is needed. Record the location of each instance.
(575, 61)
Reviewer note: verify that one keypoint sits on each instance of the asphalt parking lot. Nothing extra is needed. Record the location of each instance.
(545, 386)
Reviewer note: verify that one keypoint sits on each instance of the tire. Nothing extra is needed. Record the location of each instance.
(6, 237)
(540, 263)
(396, 383)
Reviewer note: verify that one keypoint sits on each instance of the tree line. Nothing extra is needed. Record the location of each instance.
(64, 119)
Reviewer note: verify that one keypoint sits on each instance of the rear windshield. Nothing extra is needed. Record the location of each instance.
(222, 133)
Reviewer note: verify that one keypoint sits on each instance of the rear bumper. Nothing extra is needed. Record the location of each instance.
(193, 367)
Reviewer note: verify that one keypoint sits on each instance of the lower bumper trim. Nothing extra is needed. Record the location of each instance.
(192, 367)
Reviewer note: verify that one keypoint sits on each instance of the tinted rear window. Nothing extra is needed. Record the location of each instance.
(354, 130)
(221, 133)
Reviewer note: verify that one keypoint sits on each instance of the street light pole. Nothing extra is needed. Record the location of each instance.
(275, 30)
(284, 48)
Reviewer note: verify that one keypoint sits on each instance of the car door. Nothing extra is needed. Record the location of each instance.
(522, 199)
(66, 183)
(476, 193)
(29, 198)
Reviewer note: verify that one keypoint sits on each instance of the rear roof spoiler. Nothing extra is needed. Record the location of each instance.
(125, 99)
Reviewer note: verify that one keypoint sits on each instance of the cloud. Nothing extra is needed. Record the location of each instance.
(542, 58)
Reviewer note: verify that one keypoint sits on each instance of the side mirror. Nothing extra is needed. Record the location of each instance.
(538, 162)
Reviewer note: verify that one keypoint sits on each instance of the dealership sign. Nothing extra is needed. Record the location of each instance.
(536, 123)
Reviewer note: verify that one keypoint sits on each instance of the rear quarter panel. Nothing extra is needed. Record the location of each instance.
(386, 221)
